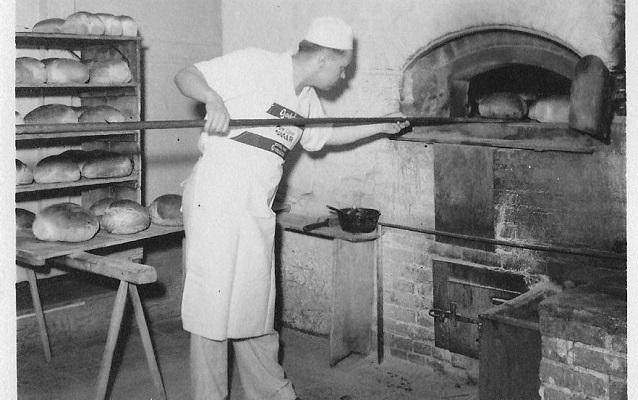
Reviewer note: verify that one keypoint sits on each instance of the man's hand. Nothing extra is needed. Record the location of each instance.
(217, 117)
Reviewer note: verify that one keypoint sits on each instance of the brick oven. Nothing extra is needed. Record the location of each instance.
(546, 214)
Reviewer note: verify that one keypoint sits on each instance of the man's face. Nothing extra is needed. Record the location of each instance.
(332, 69)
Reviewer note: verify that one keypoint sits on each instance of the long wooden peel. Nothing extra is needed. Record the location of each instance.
(176, 124)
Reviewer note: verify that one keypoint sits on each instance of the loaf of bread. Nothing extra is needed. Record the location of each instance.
(51, 114)
(123, 217)
(167, 210)
(110, 71)
(24, 221)
(30, 71)
(129, 26)
(101, 205)
(502, 105)
(56, 168)
(65, 70)
(49, 25)
(106, 164)
(65, 222)
(24, 176)
(83, 23)
(101, 113)
(112, 24)
(19, 119)
(550, 109)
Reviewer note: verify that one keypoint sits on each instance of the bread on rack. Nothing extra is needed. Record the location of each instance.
(30, 70)
(51, 114)
(24, 221)
(65, 222)
(112, 24)
(550, 109)
(65, 70)
(56, 168)
(19, 119)
(129, 26)
(110, 72)
(125, 217)
(83, 23)
(49, 25)
(102, 113)
(24, 175)
(101, 205)
(106, 164)
(167, 210)
(504, 105)
(79, 110)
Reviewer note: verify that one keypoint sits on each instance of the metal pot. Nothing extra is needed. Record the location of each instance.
(357, 220)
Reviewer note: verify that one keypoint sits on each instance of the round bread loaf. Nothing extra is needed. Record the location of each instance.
(123, 217)
(65, 70)
(19, 119)
(112, 24)
(24, 176)
(83, 23)
(24, 221)
(502, 105)
(129, 26)
(49, 25)
(30, 71)
(110, 71)
(101, 205)
(65, 222)
(106, 164)
(167, 210)
(51, 114)
(550, 109)
(101, 113)
(56, 168)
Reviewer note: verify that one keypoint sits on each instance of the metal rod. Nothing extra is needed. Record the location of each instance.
(555, 249)
(176, 124)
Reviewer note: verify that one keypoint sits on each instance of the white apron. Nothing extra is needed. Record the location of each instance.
(229, 290)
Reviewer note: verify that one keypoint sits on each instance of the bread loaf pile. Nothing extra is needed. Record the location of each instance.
(86, 23)
(72, 165)
(31, 71)
(63, 114)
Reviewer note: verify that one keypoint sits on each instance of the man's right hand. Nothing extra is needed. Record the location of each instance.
(217, 117)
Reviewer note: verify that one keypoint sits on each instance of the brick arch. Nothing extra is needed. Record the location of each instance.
(436, 78)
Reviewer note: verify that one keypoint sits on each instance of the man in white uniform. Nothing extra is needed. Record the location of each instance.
(229, 292)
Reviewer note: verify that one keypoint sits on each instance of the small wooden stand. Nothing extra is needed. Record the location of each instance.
(353, 272)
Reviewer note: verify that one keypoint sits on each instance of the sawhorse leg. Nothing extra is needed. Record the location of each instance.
(113, 333)
(39, 313)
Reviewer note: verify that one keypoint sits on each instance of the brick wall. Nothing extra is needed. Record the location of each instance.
(584, 337)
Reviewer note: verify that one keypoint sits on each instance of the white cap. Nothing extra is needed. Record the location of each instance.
(330, 32)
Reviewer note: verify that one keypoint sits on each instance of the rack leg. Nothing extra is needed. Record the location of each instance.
(39, 314)
(148, 344)
(111, 340)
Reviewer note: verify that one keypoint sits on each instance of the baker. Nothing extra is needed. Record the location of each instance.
(229, 290)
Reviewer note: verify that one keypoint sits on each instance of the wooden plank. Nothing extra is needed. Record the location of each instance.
(39, 187)
(109, 266)
(525, 136)
(296, 222)
(39, 314)
(111, 341)
(35, 252)
(352, 298)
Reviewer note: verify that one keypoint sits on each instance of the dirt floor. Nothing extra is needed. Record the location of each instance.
(72, 375)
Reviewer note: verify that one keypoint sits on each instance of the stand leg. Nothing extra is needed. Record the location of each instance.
(39, 314)
(146, 341)
(111, 340)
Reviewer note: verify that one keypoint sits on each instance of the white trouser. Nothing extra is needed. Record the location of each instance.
(260, 374)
